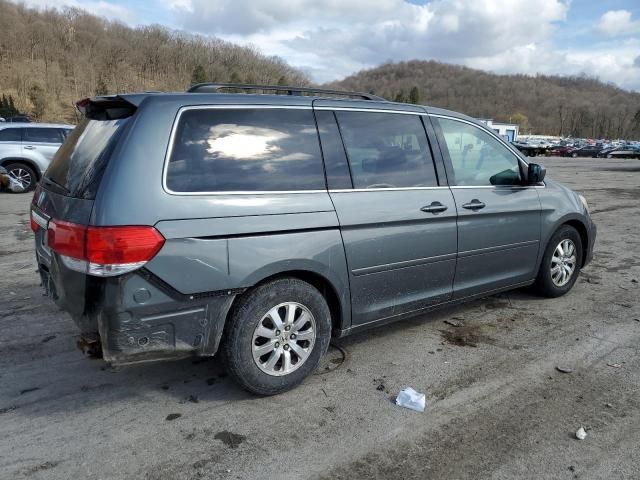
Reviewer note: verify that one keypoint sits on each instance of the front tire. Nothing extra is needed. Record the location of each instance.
(276, 336)
(560, 264)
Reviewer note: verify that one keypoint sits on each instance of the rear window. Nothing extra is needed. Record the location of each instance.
(79, 163)
(246, 150)
(42, 135)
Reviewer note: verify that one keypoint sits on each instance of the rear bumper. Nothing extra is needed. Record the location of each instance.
(137, 318)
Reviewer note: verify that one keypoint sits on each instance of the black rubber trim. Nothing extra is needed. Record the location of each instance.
(268, 233)
(185, 297)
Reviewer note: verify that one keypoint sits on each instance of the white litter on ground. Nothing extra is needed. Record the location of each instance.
(409, 398)
(581, 434)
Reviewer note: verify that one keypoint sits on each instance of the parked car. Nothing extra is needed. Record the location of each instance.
(27, 149)
(529, 150)
(19, 119)
(586, 151)
(559, 151)
(622, 152)
(261, 226)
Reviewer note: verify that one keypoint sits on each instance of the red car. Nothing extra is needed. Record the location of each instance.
(559, 151)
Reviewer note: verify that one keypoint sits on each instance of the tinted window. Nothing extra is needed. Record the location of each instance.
(42, 135)
(335, 159)
(245, 150)
(477, 158)
(10, 134)
(80, 161)
(387, 150)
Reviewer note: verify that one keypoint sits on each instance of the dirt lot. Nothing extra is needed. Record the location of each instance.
(497, 407)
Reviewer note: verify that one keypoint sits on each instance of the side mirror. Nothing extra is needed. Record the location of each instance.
(535, 174)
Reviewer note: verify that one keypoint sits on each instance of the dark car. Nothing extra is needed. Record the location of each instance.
(622, 152)
(19, 119)
(529, 150)
(260, 226)
(586, 151)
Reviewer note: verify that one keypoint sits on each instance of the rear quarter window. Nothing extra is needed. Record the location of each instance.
(245, 150)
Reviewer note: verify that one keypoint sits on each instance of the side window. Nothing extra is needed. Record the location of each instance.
(387, 150)
(477, 158)
(262, 149)
(335, 159)
(10, 135)
(42, 135)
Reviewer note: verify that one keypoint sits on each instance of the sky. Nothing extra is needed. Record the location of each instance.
(330, 39)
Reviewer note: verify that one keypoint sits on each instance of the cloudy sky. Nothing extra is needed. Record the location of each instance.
(329, 39)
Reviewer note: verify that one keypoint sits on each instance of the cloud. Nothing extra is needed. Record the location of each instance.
(332, 38)
(618, 22)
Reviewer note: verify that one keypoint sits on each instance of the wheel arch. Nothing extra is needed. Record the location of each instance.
(6, 161)
(340, 318)
(584, 236)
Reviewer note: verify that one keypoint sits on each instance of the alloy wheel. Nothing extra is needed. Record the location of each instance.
(284, 338)
(22, 176)
(563, 263)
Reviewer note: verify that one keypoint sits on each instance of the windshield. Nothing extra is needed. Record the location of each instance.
(79, 163)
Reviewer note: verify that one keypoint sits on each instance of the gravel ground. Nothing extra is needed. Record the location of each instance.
(497, 407)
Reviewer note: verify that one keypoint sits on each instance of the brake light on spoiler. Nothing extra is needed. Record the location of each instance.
(103, 251)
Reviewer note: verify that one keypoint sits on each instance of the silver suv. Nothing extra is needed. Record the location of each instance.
(258, 227)
(26, 149)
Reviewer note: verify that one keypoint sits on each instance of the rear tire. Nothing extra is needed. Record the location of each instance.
(563, 254)
(261, 349)
(24, 174)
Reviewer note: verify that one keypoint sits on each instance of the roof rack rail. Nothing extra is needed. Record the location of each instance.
(216, 87)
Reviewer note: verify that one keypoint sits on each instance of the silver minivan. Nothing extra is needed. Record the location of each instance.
(259, 226)
(26, 149)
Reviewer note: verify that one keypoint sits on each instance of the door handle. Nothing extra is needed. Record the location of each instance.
(435, 207)
(29, 147)
(475, 204)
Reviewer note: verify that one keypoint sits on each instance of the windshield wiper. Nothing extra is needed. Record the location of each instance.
(51, 182)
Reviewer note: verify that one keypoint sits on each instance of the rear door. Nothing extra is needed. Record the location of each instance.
(398, 223)
(498, 217)
(43, 142)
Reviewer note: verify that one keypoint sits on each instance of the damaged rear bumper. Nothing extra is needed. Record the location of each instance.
(137, 317)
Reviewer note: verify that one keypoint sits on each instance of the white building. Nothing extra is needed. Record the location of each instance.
(508, 131)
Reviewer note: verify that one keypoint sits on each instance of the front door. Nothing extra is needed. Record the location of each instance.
(498, 217)
(398, 224)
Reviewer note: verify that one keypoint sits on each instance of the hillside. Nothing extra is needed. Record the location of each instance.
(49, 59)
(577, 106)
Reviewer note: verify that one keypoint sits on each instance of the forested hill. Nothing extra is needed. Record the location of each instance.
(49, 59)
(550, 105)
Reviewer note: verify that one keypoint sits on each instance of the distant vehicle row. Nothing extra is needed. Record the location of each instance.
(593, 151)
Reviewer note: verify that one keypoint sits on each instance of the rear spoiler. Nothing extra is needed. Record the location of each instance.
(110, 107)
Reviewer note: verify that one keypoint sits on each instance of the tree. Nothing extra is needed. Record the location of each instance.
(38, 98)
(400, 97)
(101, 87)
(414, 95)
(198, 75)
(521, 120)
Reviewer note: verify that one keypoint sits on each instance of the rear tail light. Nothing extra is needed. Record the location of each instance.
(103, 251)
